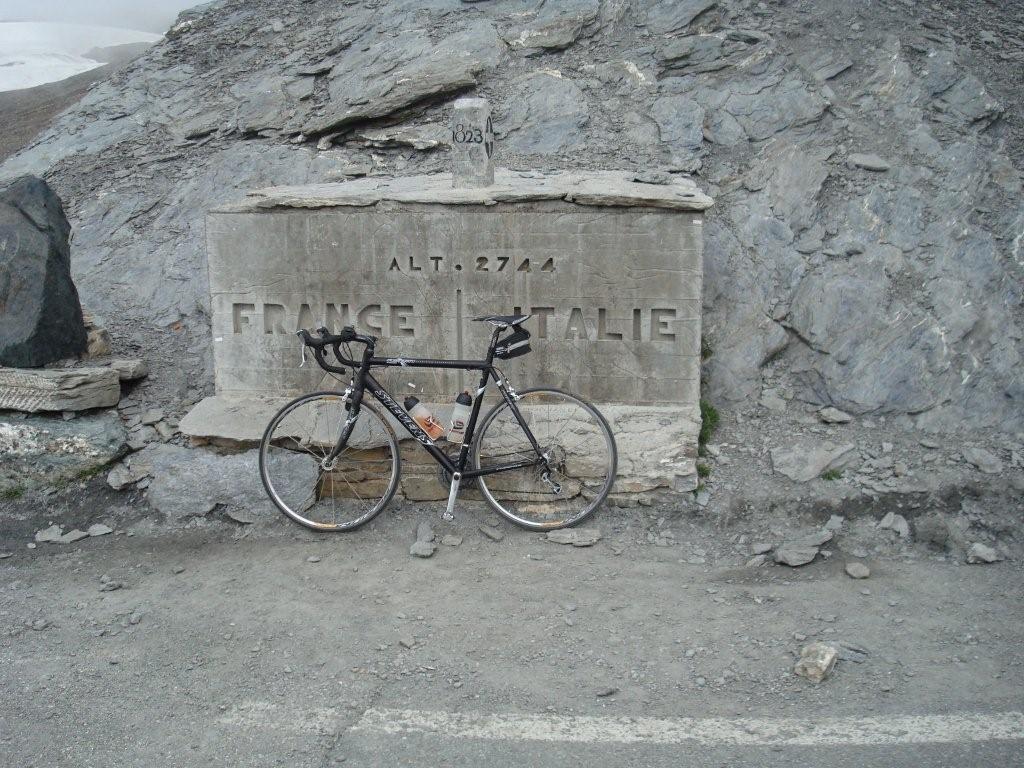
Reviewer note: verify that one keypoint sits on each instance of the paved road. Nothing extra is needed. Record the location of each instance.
(494, 654)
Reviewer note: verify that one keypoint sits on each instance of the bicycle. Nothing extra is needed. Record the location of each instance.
(543, 458)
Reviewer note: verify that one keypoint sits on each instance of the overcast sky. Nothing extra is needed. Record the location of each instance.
(147, 15)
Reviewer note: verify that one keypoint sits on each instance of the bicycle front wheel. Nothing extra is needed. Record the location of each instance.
(581, 459)
(329, 496)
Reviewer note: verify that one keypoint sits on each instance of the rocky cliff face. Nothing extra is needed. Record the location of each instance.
(866, 249)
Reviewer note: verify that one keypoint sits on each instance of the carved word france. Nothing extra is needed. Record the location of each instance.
(403, 320)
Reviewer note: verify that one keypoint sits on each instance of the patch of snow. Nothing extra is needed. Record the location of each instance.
(34, 53)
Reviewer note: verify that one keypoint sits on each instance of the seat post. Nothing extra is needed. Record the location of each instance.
(494, 344)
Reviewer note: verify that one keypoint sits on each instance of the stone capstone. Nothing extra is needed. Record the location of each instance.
(40, 315)
(67, 389)
(40, 451)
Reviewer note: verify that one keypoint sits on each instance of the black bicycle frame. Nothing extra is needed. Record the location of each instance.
(362, 380)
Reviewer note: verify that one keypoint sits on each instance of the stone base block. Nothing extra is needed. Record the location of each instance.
(655, 443)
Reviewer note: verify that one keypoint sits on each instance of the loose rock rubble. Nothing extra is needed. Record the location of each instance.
(817, 661)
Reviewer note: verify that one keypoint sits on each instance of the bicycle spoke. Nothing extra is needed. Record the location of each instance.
(361, 481)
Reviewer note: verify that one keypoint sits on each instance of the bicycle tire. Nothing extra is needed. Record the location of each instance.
(274, 486)
(596, 495)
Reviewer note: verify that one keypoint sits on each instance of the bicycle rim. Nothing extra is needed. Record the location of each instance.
(344, 495)
(582, 460)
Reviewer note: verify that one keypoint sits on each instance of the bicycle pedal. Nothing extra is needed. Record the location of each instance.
(447, 516)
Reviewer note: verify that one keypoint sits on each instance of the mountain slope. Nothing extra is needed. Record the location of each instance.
(866, 246)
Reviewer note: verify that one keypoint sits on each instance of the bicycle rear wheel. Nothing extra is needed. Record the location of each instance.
(581, 452)
(338, 496)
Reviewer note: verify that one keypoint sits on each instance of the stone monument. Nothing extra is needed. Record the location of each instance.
(610, 268)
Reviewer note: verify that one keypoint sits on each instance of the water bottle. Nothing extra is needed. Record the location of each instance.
(460, 417)
(422, 416)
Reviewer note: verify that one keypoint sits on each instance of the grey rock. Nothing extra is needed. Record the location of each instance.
(424, 545)
(795, 556)
(756, 561)
(932, 529)
(130, 370)
(577, 537)
(39, 451)
(51, 534)
(804, 462)
(982, 553)
(492, 533)
(983, 460)
(856, 570)
(761, 548)
(869, 162)
(680, 125)
(897, 523)
(41, 320)
(422, 549)
(604, 693)
(398, 71)
(557, 26)
(313, 559)
(451, 540)
(72, 536)
(70, 389)
(152, 416)
(670, 16)
(131, 470)
(424, 532)
(832, 415)
(546, 115)
(242, 516)
(407, 642)
(835, 523)
(852, 653)
(99, 529)
(191, 482)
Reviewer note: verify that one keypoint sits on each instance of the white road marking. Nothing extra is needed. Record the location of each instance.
(896, 729)
(798, 732)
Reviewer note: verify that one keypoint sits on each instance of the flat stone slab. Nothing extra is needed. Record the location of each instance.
(72, 389)
(225, 420)
(602, 188)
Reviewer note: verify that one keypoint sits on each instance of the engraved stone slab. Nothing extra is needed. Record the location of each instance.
(613, 285)
(72, 389)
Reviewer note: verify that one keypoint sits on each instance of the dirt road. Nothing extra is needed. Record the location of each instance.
(259, 646)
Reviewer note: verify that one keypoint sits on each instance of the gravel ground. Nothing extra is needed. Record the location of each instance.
(264, 644)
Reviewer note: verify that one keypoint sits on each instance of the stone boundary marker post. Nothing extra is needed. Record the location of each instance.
(610, 270)
(472, 144)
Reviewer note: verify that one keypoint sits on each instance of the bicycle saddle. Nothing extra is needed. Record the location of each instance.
(502, 321)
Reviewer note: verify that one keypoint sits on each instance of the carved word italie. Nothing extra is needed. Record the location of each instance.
(404, 320)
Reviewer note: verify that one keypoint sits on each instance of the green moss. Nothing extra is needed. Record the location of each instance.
(703, 470)
(832, 474)
(9, 494)
(708, 422)
(706, 350)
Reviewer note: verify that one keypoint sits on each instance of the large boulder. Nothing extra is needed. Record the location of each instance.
(40, 316)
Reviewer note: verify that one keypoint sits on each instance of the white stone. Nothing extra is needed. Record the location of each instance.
(817, 660)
